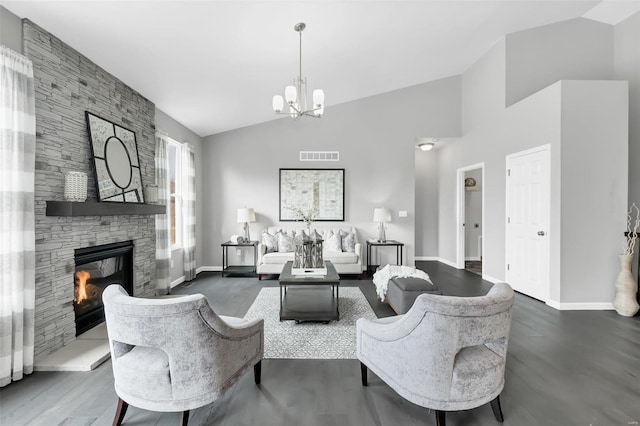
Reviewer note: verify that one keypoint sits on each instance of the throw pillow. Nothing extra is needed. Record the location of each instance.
(286, 243)
(270, 242)
(349, 242)
(315, 236)
(333, 244)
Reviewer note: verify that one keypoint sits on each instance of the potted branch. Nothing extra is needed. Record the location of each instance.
(625, 302)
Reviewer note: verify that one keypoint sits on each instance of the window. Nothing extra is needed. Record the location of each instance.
(174, 178)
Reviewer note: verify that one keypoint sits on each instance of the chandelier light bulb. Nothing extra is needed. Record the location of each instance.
(291, 94)
(318, 98)
(278, 103)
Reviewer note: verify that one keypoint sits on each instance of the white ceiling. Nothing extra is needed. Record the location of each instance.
(215, 65)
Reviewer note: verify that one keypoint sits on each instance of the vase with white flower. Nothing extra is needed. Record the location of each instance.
(625, 301)
(306, 215)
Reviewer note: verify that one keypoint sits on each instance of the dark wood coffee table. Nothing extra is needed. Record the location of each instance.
(309, 298)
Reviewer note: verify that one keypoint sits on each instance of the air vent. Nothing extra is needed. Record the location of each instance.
(319, 156)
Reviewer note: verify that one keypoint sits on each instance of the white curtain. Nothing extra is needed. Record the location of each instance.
(189, 211)
(163, 245)
(17, 225)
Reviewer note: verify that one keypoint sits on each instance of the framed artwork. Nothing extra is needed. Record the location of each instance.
(116, 161)
(304, 190)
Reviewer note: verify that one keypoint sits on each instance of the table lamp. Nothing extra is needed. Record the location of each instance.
(381, 215)
(246, 215)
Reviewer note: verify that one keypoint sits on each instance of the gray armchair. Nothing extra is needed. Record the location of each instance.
(175, 354)
(446, 353)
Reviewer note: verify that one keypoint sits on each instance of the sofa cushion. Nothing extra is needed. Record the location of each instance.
(270, 241)
(348, 241)
(333, 244)
(341, 257)
(286, 242)
(277, 258)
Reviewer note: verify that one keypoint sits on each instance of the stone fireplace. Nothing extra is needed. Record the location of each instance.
(66, 85)
(96, 268)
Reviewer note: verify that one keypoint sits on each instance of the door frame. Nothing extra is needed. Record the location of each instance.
(460, 215)
(542, 148)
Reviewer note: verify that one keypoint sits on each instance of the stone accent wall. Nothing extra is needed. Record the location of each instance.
(67, 84)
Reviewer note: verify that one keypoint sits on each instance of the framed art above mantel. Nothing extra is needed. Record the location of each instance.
(305, 189)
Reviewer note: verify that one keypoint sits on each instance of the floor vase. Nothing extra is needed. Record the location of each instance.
(625, 302)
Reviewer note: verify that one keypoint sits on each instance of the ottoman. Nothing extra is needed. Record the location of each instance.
(402, 292)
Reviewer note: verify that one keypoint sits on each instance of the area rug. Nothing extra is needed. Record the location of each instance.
(308, 340)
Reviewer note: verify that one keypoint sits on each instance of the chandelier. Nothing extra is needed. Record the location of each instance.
(296, 95)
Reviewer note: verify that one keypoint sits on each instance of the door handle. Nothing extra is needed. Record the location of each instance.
(541, 233)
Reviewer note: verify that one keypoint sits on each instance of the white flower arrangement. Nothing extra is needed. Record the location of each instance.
(629, 243)
(307, 216)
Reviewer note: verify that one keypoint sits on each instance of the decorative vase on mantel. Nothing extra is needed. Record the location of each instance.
(625, 302)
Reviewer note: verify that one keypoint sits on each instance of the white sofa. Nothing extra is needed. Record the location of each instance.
(344, 262)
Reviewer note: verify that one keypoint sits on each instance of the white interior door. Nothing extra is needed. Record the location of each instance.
(527, 233)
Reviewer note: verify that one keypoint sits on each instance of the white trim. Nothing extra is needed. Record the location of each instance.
(427, 258)
(460, 214)
(491, 279)
(448, 263)
(209, 269)
(473, 258)
(178, 281)
(588, 306)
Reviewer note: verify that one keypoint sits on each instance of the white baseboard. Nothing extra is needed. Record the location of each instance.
(427, 258)
(473, 258)
(209, 269)
(588, 306)
(447, 262)
(491, 279)
(178, 281)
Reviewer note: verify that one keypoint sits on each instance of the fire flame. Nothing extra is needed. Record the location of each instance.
(81, 286)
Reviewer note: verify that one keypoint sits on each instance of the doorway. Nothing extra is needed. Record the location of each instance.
(527, 228)
(470, 185)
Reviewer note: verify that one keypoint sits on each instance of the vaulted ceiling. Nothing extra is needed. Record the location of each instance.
(215, 65)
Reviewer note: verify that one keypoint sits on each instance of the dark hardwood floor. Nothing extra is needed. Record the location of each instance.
(563, 368)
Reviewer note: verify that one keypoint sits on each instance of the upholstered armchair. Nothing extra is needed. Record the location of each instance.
(446, 353)
(175, 354)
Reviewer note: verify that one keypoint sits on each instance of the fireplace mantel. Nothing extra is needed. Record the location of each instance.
(94, 208)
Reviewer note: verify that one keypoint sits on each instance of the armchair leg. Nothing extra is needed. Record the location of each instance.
(259, 277)
(440, 418)
(257, 372)
(185, 418)
(363, 372)
(120, 412)
(497, 409)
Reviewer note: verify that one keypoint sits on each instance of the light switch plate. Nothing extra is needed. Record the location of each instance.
(402, 213)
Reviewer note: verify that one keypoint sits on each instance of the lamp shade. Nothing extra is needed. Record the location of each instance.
(381, 215)
(318, 98)
(246, 215)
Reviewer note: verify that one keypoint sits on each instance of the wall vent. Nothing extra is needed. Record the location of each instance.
(319, 156)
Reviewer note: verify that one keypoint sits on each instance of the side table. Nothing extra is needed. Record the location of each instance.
(388, 243)
(238, 269)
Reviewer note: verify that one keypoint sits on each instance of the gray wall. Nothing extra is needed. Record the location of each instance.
(10, 30)
(426, 204)
(594, 189)
(376, 140)
(627, 67)
(492, 131)
(578, 49)
(180, 133)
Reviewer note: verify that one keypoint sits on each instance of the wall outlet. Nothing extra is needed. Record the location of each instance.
(402, 213)
(237, 252)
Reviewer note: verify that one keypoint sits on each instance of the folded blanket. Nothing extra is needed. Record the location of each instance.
(382, 276)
